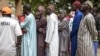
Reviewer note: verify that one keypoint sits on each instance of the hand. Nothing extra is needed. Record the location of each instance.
(40, 30)
(60, 30)
(47, 45)
(24, 30)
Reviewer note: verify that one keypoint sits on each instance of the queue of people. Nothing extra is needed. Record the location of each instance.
(53, 35)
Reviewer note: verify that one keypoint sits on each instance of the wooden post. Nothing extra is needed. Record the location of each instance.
(18, 7)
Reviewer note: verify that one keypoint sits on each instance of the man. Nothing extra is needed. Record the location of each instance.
(21, 19)
(75, 26)
(63, 28)
(29, 40)
(71, 15)
(97, 20)
(9, 31)
(87, 32)
(41, 30)
(52, 38)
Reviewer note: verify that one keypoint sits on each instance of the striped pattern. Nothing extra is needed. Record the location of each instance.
(86, 34)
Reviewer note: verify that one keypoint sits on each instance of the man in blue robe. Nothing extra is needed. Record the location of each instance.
(29, 41)
(76, 22)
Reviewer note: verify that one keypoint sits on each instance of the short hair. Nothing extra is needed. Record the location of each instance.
(27, 7)
(52, 6)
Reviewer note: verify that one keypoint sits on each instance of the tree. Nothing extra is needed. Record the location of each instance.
(18, 7)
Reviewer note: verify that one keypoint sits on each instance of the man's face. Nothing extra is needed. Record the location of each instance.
(61, 15)
(84, 7)
(38, 13)
(48, 11)
(24, 10)
(94, 11)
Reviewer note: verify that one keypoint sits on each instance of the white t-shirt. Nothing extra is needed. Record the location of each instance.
(9, 30)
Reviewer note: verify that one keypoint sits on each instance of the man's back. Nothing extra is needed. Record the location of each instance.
(9, 30)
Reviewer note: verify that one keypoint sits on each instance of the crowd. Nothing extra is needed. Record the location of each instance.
(50, 34)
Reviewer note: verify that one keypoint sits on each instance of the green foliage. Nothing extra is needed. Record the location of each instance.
(35, 3)
(59, 5)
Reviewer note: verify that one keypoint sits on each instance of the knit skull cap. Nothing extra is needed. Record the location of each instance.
(41, 8)
(77, 4)
(89, 3)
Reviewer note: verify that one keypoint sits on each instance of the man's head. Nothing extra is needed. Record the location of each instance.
(76, 5)
(94, 11)
(50, 8)
(62, 14)
(40, 11)
(6, 11)
(97, 12)
(87, 6)
(26, 9)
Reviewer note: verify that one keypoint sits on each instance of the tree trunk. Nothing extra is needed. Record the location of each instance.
(18, 7)
(3, 3)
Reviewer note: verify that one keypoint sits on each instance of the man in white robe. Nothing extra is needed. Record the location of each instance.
(52, 38)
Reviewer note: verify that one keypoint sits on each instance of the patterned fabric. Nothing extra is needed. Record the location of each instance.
(63, 28)
(87, 32)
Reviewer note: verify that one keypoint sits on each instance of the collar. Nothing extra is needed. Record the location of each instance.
(77, 11)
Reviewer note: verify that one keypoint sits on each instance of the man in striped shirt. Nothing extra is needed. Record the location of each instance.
(87, 32)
